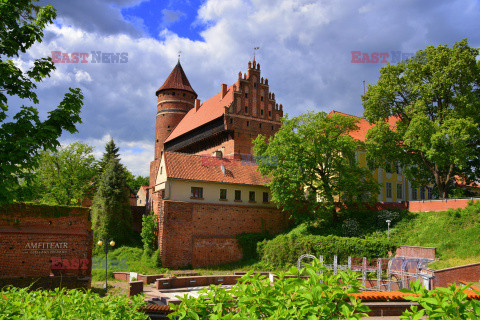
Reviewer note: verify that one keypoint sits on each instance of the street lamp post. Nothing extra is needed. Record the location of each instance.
(105, 243)
(388, 230)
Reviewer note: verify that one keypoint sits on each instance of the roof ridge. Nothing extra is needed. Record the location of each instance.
(347, 114)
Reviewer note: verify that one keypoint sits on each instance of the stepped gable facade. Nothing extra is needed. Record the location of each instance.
(226, 123)
(202, 166)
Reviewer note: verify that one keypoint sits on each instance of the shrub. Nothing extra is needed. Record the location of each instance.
(67, 304)
(128, 253)
(323, 296)
(248, 243)
(99, 274)
(149, 229)
(442, 303)
(285, 249)
(351, 228)
(155, 260)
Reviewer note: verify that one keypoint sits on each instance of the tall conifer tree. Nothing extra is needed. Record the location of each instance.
(111, 215)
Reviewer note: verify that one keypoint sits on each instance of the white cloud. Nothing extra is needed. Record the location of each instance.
(305, 52)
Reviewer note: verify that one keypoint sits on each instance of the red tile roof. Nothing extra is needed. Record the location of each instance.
(210, 110)
(461, 182)
(397, 295)
(204, 168)
(363, 125)
(177, 80)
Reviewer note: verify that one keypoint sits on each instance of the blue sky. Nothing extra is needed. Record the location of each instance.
(178, 16)
(305, 52)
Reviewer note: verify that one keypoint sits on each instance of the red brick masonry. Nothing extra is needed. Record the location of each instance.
(34, 245)
(466, 273)
(204, 234)
(416, 252)
(438, 205)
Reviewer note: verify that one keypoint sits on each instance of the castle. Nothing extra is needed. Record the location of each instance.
(204, 188)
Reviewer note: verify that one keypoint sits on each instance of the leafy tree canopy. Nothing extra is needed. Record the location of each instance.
(21, 25)
(311, 162)
(435, 100)
(65, 176)
(135, 182)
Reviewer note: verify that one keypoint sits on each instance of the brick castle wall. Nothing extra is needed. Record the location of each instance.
(438, 205)
(204, 234)
(34, 245)
(467, 273)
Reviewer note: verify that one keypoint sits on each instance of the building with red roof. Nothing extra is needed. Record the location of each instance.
(204, 188)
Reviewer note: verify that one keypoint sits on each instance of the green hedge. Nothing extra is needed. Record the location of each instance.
(285, 249)
(248, 243)
(24, 209)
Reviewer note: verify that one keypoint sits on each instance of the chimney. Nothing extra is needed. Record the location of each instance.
(197, 104)
(223, 88)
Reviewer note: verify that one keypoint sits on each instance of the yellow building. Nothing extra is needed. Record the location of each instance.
(394, 186)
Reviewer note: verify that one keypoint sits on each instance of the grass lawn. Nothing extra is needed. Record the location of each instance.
(455, 234)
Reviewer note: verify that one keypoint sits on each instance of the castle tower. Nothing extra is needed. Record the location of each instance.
(174, 99)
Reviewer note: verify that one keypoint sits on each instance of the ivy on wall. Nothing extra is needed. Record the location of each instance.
(21, 209)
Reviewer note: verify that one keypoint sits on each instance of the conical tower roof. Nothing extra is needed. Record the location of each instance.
(177, 80)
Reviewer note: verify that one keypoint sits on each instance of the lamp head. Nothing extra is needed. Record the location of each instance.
(100, 242)
(112, 243)
(388, 221)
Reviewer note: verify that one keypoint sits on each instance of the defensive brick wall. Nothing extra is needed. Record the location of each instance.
(438, 205)
(205, 234)
(466, 273)
(39, 241)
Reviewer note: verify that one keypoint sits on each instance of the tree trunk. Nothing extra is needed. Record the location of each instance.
(442, 187)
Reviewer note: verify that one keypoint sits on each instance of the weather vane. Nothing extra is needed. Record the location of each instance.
(254, 50)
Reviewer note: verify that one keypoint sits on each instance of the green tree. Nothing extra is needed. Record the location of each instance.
(21, 25)
(135, 182)
(111, 215)
(111, 152)
(65, 176)
(435, 100)
(311, 162)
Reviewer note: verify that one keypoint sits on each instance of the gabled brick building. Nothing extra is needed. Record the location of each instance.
(206, 149)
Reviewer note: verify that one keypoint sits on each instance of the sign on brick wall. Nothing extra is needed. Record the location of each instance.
(39, 241)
